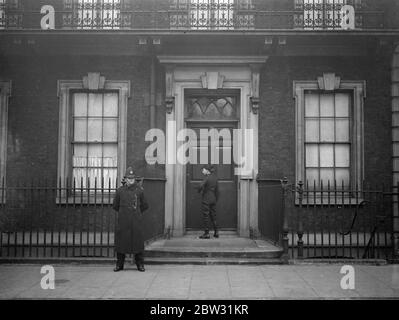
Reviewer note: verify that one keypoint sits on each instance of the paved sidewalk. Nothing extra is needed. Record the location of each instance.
(304, 281)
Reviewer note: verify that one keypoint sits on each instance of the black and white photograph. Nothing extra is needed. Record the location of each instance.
(208, 152)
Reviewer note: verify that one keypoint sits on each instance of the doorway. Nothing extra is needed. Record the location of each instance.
(212, 113)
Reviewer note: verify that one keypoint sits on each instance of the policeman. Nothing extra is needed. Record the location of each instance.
(130, 203)
(210, 193)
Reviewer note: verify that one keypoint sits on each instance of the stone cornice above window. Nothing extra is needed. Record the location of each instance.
(94, 81)
(329, 82)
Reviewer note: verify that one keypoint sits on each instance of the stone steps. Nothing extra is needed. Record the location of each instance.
(227, 249)
(212, 261)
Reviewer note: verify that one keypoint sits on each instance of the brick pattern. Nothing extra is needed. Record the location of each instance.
(277, 113)
(33, 112)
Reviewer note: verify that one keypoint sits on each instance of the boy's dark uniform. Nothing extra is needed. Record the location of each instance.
(130, 203)
(210, 193)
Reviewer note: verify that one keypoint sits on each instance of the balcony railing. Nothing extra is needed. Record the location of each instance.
(225, 15)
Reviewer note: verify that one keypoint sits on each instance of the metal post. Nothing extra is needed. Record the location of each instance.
(285, 240)
(300, 224)
(395, 221)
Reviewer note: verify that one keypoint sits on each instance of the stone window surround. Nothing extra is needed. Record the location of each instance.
(93, 81)
(328, 82)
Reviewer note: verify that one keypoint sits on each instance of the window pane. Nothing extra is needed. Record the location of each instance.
(327, 175)
(312, 176)
(342, 175)
(79, 130)
(212, 111)
(89, 160)
(79, 155)
(110, 130)
(395, 134)
(312, 130)
(80, 105)
(326, 105)
(342, 130)
(342, 155)
(95, 130)
(327, 130)
(110, 176)
(311, 105)
(111, 105)
(95, 105)
(342, 105)
(94, 174)
(312, 156)
(326, 155)
(228, 110)
(79, 176)
(110, 158)
(95, 155)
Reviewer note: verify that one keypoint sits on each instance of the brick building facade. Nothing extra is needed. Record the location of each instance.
(273, 58)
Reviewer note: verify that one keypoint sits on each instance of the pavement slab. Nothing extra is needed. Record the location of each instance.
(370, 286)
(249, 284)
(130, 284)
(286, 283)
(210, 282)
(200, 282)
(171, 282)
(325, 281)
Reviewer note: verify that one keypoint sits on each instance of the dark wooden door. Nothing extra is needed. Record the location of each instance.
(212, 111)
(226, 208)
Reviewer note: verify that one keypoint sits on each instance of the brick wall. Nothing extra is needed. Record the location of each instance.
(33, 108)
(33, 121)
(33, 113)
(277, 113)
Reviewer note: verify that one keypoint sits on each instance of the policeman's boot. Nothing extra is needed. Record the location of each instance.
(205, 235)
(118, 268)
(139, 258)
(119, 262)
(215, 227)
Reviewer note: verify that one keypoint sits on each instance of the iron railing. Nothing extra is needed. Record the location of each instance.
(335, 222)
(42, 219)
(225, 15)
(39, 219)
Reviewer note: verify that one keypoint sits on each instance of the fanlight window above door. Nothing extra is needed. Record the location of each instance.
(211, 108)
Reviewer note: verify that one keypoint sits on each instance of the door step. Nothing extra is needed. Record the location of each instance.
(227, 249)
(212, 261)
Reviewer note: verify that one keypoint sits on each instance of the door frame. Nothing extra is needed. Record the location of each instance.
(210, 72)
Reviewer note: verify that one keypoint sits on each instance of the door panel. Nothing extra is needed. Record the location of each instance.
(212, 109)
(226, 208)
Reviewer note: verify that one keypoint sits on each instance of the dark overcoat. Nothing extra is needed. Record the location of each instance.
(130, 203)
(209, 188)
